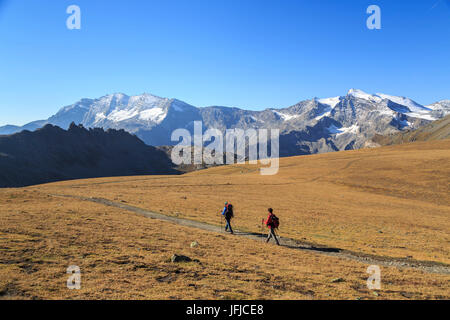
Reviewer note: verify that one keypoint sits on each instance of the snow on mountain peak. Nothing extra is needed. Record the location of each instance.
(412, 105)
(119, 107)
(358, 93)
(443, 104)
(113, 97)
(332, 102)
(284, 116)
(363, 95)
(413, 109)
(155, 115)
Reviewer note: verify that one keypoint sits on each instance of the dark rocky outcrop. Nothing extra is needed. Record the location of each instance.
(52, 154)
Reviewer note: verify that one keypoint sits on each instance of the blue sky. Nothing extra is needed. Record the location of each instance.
(251, 54)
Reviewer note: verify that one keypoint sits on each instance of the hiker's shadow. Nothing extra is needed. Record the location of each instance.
(312, 248)
(299, 246)
(253, 234)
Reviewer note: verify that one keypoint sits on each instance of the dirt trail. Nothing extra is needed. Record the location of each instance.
(425, 266)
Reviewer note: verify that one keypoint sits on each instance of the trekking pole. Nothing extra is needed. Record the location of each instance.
(234, 219)
(262, 229)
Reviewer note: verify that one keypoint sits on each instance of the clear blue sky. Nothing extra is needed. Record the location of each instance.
(245, 53)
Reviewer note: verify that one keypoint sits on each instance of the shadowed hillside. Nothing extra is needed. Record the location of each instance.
(53, 154)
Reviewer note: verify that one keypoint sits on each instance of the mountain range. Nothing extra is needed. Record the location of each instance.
(310, 126)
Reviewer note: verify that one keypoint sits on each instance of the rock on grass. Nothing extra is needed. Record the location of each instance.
(179, 258)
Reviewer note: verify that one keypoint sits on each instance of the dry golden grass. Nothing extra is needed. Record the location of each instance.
(125, 256)
(392, 201)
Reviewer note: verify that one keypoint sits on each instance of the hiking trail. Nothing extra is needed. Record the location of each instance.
(425, 266)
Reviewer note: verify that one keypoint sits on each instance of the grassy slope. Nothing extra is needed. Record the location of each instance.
(125, 256)
(392, 201)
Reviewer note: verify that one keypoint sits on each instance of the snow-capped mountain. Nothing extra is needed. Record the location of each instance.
(145, 115)
(440, 109)
(348, 122)
(311, 126)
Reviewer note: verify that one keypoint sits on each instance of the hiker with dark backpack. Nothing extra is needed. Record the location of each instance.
(228, 214)
(272, 223)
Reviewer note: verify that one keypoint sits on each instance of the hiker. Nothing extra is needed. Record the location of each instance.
(228, 214)
(272, 223)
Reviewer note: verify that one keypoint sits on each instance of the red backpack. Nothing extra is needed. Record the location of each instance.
(275, 221)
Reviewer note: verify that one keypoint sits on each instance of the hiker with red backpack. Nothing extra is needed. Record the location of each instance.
(228, 214)
(272, 223)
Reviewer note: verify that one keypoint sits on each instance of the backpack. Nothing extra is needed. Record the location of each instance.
(275, 221)
(229, 213)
